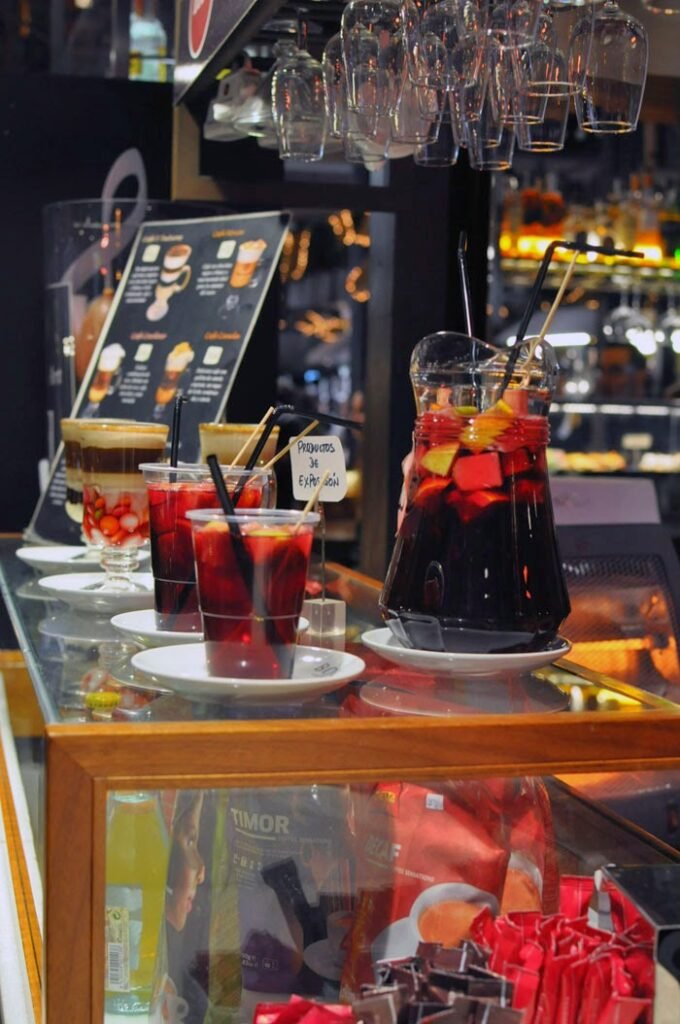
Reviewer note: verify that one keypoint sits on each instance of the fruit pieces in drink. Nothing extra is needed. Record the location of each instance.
(115, 517)
(172, 552)
(115, 506)
(250, 624)
(475, 565)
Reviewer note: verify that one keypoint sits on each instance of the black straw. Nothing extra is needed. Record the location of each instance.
(220, 487)
(465, 282)
(559, 243)
(278, 414)
(242, 556)
(175, 429)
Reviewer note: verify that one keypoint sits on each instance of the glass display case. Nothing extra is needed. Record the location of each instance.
(135, 791)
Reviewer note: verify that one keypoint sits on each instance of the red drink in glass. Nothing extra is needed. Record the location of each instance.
(173, 492)
(475, 566)
(251, 586)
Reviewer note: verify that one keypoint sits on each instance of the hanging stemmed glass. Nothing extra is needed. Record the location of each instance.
(668, 326)
(373, 50)
(608, 54)
(548, 135)
(341, 122)
(298, 100)
(335, 83)
(628, 325)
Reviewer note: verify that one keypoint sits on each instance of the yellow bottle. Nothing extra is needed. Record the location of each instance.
(137, 852)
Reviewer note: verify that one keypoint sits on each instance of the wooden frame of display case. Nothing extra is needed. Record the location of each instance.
(84, 764)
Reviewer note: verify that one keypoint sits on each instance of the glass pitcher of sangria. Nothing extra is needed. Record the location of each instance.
(475, 566)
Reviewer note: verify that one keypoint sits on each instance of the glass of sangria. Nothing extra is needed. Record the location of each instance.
(173, 492)
(251, 570)
(475, 567)
(115, 505)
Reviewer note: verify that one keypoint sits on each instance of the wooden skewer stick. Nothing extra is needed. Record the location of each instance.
(540, 337)
(314, 497)
(251, 438)
(284, 451)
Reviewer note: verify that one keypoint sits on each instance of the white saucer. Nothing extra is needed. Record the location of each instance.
(321, 959)
(54, 558)
(386, 644)
(81, 630)
(141, 627)
(399, 939)
(74, 588)
(184, 670)
(32, 591)
(478, 695)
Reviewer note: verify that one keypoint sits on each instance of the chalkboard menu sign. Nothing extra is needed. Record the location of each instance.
(182, 316)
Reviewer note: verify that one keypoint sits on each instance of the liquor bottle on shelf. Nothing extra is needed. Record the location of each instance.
(148, 43)
(531, 206)
(614, 212)
(648, 238)
(628, 218)
(137, 851)
(511, 218)
(553, 207)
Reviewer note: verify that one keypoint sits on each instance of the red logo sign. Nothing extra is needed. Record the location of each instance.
(199, 19)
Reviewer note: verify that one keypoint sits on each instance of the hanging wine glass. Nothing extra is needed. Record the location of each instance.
(488, 151)
(668, 326)
(512, 101)
(373, 49)
(298, 104)
(440, 149)
(608, 61)
(254, 116)
(335, 82)
(548, 135)
(408, 123)
(627, 324)
(431, 35)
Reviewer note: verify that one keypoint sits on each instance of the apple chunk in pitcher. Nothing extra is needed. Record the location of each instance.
(475, 566)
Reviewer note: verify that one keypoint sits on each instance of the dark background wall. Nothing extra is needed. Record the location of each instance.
(58, 139)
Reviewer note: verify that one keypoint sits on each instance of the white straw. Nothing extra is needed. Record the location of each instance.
(540, 337)
(251, 437)
(312, 500)
(284, 451)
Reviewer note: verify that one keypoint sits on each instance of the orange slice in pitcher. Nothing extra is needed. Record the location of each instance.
(487, 426)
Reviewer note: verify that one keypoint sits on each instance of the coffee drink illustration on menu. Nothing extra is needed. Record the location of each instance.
(247, 258)
(175, 365)
(106, 377)
(174, 277)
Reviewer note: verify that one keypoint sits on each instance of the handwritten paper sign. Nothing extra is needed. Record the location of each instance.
(310, 458)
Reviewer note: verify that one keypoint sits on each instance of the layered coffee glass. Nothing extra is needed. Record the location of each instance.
(115, 504)
(233, 443)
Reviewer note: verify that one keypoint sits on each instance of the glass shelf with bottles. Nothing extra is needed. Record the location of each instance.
(640, 217)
